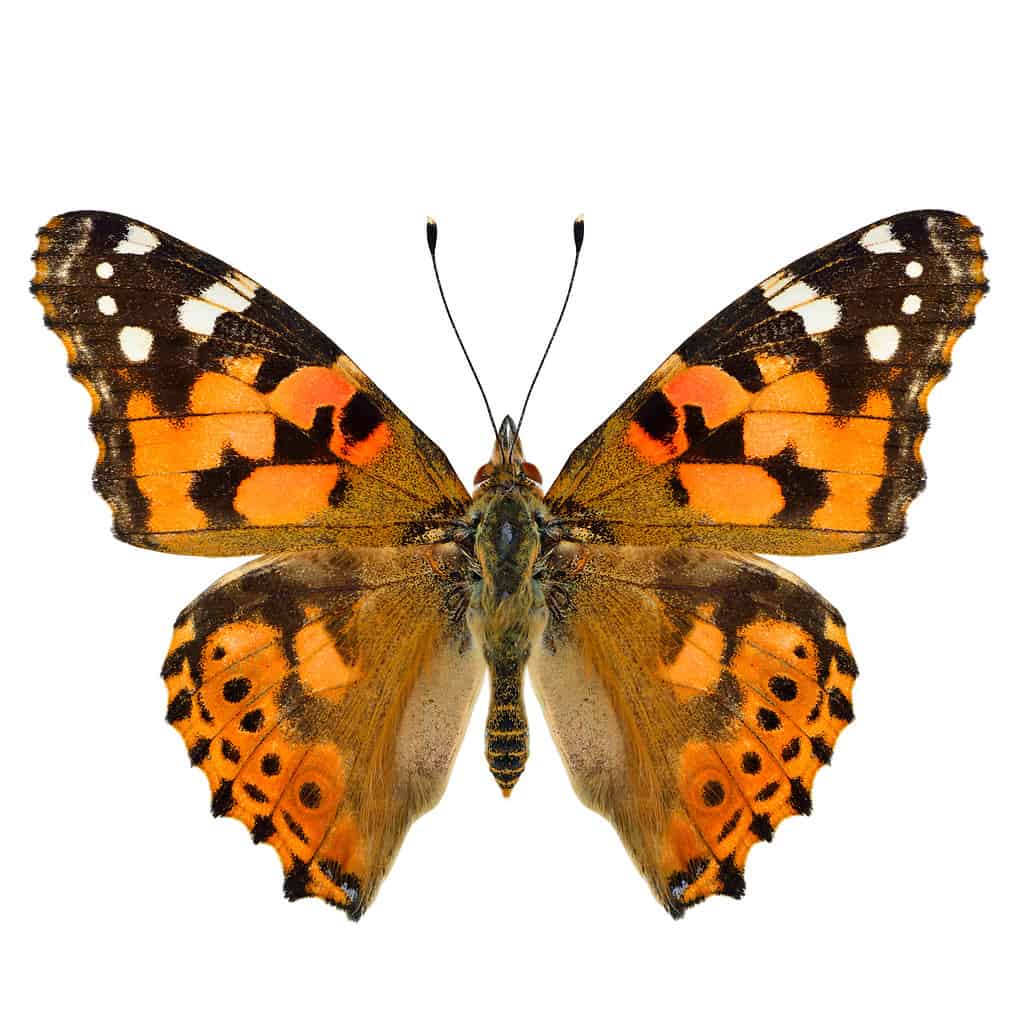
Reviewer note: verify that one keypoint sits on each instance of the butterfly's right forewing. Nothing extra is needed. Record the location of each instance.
(792, 421)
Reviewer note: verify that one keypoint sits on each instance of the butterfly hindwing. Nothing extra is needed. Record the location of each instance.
(227, 423)
(693, 695)
(792, 421)
(325, 694)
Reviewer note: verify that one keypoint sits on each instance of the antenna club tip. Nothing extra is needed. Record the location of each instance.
(431, 234)
(577, 231)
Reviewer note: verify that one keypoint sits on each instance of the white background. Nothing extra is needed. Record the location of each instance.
(306, 144)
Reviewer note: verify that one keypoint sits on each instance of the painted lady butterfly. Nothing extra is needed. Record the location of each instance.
(693, 689)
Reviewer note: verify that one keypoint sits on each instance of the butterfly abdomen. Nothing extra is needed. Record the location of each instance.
(508, 737)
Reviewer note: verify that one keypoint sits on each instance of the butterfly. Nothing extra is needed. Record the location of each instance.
(693, 689)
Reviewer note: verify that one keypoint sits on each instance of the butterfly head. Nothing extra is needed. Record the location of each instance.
(507, 466)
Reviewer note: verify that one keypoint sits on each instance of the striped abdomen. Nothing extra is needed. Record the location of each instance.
(508, 737)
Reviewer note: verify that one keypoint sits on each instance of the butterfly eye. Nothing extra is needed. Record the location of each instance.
(531, 472)
(483, 473)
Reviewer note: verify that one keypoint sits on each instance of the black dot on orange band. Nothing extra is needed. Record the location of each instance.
(783, 687)
(310, 795)
(252, 721)
(236, 690)
(713, 793)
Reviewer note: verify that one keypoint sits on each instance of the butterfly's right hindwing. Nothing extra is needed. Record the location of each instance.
(693, 696)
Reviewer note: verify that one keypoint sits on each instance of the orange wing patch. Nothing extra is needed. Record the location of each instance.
(735, 789)
(744, 494)
(716, 395)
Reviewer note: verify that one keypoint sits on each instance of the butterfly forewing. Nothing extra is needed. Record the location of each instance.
(227, 423)
(792, 421)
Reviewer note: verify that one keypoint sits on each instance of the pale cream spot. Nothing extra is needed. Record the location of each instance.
(883, 342)
(243, 284)
(104, 270)
(911, 304)
(199, 315)
(106, 305)
(792, 296)
(138, 241)
(914, 269)
(777, 281)
(135, 343)
(881, 239)
(819, 313)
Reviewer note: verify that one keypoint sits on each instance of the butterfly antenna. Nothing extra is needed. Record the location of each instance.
(432, 246)
(577, 234)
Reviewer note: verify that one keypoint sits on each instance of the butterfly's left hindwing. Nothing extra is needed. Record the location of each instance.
(693, 696)
(325, 694)
(227, 423)
(792, 421)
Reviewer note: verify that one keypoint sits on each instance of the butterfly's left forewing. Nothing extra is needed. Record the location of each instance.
(324, 694)
(226, 422)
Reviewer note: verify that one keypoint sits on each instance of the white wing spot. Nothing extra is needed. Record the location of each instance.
(820, 313)
(914, 269)
(883, 342)
(138, 241)
(770, 286)
(135, 343)
(104, 270)
(106, 305)
(243, 284)
(881, 239)
(792, 295)
(199, 315)
(911, 304)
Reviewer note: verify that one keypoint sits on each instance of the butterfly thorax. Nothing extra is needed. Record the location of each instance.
(507, 608)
